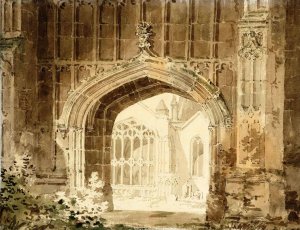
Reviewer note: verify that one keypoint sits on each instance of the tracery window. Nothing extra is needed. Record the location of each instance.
(197, 156)
(133, 154)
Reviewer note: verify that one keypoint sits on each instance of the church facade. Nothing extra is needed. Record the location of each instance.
(161, 155)
(69, 67)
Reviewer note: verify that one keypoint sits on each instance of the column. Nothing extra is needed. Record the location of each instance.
(76, 158)
(140, 158)
(131, 158)
(148, 160)
(253, 105)
(215, 204)
(122, 159)
(114, 159)
(7, 118)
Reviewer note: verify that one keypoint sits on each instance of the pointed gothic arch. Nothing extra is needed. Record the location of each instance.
(82, 103)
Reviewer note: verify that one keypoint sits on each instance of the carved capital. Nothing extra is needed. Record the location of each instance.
(63, 130)
(228, 122)
(211, 127)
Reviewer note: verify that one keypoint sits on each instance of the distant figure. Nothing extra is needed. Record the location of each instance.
(187, 189)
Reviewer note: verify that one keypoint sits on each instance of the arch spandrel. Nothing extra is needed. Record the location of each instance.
(175, 74)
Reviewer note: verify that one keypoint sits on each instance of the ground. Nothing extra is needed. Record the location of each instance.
(155, 219)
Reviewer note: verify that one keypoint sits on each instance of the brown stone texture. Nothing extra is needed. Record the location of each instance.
(50, 49)
(291, 106)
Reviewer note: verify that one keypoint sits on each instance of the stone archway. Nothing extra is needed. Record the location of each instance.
(83, 104)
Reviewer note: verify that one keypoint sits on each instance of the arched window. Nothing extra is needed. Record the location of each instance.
(133, 154)
(197, 156)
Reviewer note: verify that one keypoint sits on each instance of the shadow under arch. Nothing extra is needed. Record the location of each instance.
(83, 105)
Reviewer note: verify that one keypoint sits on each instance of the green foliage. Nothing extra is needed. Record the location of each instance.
(84, 205)
(19, 209)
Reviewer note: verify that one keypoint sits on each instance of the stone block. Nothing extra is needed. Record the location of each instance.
(98, 142)
(42, 29)
(106, 30)
(178, 8)
(106, 49)
(107, 14)
(84, 48)
(88, 142)
(45, 92)
(64, 78)
(277, 202)
(177, 49)
(65, 47)
(215, 207)
(153, 11)
(44, 112)
(65, 29)
(297, 16)
(91, 157)
(292, 86)
(128, 49)
(45, 47)
(201, 32)
(157, 32)
(128, 14)
(6, 97)
(84, 30)
(226, 49)
(178, 32)
(20, 119)
(203, 11)
(226, 32)
(128, 31)
(231, 10)
(200, 49)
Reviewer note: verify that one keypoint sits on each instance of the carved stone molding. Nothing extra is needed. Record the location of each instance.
(62, 3)
(228, 122)
(114, 2)
(251, 45)
(84, 2)
(144, 32)
(63, 130)
(44, 68)
(63, 68)
(6, 64)
(7, 49)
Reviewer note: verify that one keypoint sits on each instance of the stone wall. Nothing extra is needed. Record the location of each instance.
(77, 40)
(18, 62)
(50, 48)
(291, 108)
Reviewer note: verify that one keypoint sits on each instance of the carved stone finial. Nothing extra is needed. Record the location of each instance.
(251, 45)
(144, 31)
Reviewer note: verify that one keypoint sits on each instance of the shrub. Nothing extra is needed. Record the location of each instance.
(19, 209)
(85, 204)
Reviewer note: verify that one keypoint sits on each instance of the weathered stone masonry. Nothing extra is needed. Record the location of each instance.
(69, 67)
